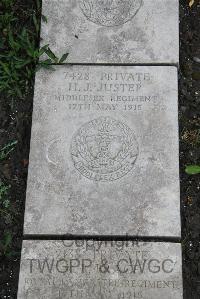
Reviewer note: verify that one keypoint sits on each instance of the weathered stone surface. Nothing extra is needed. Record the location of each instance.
(126, 31)
(104, 152)
(100, 270)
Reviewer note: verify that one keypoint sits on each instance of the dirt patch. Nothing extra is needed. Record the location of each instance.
(189, 119)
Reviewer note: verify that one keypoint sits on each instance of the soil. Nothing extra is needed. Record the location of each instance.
(15, 124)
(189, 120)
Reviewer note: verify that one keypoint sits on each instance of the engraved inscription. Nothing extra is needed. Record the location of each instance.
(110, 12)
(109, 91)
(104, 149)
(83, 269)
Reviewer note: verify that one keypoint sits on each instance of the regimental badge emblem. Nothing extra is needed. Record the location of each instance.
(110, 12)
(104, 149)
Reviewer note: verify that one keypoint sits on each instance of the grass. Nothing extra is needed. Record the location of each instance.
(19, 55)
(19, 49)
(20, 58)
(3, 192)
(7, 149)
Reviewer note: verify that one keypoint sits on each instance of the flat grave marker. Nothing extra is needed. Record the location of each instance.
(125, 31)
(100, 270)
(104, 152)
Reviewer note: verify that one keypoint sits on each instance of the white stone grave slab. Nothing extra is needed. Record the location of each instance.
(104, 152)
(125, 31)
(100, 270)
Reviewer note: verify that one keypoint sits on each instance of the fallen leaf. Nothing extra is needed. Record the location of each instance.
(25, 162)
(192, 169)
(191, 3)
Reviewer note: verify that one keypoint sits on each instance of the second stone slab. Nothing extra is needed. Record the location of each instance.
(100, 270)
(125, 31)
(104, 152)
